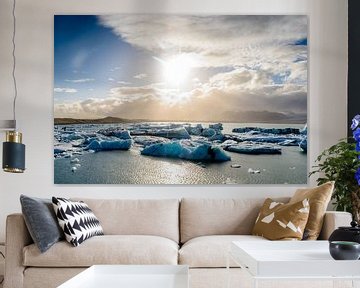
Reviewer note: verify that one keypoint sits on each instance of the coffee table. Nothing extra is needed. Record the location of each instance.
(292, 260)
(131, 276)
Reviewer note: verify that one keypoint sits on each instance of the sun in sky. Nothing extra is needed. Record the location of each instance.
(181, 67)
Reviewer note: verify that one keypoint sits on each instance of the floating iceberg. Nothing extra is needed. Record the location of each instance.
(304, 130)
(303, 145)
(252, 148)
(115, 132)
(105, 145)
(176, 133)
(149, 140)
(208, 132)
(217, 126)
(286, 140)
(197, 130)
(59, 150)
(281, 131)
(235, 166)
(180, 149)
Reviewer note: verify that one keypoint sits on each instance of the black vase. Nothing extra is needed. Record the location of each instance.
(350, 234)
(343, 250)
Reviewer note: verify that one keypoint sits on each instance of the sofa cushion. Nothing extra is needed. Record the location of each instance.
(201, 217)
(211, 251)
(158, 217)
(107, 249)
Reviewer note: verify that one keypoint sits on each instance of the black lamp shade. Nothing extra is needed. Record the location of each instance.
(13, 157)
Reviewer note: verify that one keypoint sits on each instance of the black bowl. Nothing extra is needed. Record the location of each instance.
(344, 250)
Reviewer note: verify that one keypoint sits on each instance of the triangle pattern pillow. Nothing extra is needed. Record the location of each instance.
(279, 221)
(77, 220)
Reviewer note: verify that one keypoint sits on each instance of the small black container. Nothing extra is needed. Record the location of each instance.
(351, 233)
(344, 250)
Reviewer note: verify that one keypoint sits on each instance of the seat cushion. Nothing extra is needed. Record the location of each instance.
(211, 251)
(108, 249)
(158, 217)
(205, 217)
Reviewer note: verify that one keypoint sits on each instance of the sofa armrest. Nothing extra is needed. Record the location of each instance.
(333, 220)
(17, 237)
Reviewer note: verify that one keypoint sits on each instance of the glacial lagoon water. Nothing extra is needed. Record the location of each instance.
(130, 167)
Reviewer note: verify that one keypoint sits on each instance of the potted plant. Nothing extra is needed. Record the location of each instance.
(341, 163)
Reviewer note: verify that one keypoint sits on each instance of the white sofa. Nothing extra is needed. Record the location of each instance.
(194, 232)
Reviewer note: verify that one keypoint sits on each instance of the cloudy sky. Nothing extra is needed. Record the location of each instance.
(181, 68)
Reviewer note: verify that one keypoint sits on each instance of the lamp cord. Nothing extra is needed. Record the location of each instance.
(14, 61)
(2, 280)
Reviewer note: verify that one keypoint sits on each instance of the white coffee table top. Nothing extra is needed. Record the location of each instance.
(291, 259)
(131, 276)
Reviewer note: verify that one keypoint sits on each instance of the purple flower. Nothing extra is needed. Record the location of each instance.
(357, 147)
(357, 176)
(356, 134)
(355, 122)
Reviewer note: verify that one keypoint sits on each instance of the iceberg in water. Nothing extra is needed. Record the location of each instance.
(252, 148)
(107, 145)
(182, 150)
(279, 131)
(149, 140)
(176, 133)
(115, 132)
(303, 145)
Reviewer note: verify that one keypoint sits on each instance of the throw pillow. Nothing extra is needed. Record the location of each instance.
(279, 221)
(41, 222)
(319, 198)
(77, 220)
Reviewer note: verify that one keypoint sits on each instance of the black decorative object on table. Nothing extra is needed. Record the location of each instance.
(344, 250)
(344, 233)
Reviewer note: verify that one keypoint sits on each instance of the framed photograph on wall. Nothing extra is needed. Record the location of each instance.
(180, 99)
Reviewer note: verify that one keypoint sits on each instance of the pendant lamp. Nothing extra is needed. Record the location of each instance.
(13, 159)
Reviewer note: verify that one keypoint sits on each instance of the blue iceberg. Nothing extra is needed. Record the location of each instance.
(252, 148)
(182, 150)
(115, 132)
(176, 133)
(303, 145)
(109, 145)
(279, 131)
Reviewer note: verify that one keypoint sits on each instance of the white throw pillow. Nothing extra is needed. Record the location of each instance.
(76, 220)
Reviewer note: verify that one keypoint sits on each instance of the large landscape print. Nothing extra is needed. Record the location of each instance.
(180, 99)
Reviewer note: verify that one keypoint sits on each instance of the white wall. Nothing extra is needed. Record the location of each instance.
(327, 93)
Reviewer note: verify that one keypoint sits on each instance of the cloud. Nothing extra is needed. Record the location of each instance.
(123, 82)
(115, 68)
(111, 79)
(248, 69)
(234, 96)
(140, 76)
(217, 40)
(80, 80)
(65, 90)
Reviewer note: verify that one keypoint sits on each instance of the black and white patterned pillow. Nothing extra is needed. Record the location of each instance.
(77, 220)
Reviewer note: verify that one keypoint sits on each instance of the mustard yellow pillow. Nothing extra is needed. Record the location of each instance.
(319, 198)
(279, 221)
